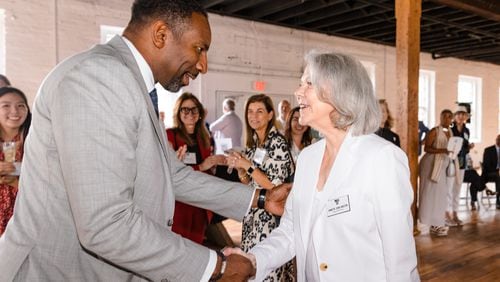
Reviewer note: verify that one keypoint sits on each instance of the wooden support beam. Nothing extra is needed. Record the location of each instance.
(408, 15)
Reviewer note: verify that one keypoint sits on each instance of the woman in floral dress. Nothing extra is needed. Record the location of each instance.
(265, 163)
(15, 119)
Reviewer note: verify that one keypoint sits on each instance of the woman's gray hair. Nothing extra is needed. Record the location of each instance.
(343, 82)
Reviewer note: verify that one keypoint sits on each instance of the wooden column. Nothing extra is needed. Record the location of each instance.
(408, 14)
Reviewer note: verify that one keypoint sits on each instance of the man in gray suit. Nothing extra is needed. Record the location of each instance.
(98, 182)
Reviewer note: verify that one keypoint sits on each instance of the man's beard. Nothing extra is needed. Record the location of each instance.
(174, 85)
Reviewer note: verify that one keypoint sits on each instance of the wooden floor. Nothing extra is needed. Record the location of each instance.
(469, 253)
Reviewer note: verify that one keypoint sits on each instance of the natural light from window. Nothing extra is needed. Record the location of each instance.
(469, 91)
(426, 97)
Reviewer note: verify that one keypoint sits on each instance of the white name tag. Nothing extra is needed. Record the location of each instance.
(260, 156)
(338, 206)
(190, 158)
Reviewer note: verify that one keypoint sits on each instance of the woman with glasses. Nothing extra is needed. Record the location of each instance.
(265, 163)
(190, 138)
(15, 120)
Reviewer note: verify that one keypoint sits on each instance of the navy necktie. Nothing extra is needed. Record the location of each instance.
(154, 98)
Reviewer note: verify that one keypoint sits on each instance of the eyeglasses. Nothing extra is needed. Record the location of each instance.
(186, 110)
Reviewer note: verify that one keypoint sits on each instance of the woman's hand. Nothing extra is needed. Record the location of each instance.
(236, 160)
(212, 161)
(6, 168)
(181, 152)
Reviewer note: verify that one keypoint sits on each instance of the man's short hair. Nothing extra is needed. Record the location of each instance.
(175, 13)
(229, 104)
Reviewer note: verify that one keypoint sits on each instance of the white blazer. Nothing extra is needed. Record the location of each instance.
(364, 231)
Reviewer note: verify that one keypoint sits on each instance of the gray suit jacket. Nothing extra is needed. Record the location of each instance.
(98, 182)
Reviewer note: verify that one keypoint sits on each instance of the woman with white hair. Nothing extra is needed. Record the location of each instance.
(348, 215)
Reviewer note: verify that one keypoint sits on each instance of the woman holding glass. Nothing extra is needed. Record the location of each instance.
(348, 215)
(190, 138)
(265, 163)
(15, 119)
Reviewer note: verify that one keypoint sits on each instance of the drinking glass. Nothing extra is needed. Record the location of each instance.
(9, 151)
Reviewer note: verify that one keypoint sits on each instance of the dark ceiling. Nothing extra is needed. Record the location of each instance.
(466, 29)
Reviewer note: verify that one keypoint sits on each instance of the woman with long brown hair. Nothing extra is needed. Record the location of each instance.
(190, 138)
(265, 163)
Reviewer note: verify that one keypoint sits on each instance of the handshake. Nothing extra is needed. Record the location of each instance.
(234, 265)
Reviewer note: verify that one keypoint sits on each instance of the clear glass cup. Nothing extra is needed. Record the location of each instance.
(9, 151)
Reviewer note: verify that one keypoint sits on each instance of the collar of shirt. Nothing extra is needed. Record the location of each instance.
(147, 74)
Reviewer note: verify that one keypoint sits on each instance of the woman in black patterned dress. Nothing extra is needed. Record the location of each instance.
(266, 162)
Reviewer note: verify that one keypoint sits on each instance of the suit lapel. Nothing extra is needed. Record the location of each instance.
(307, 190)
(342, 167)
(340, 172)
(129, 60)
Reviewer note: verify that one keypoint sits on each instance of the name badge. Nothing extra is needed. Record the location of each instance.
(338, 206)
(190, 158)
(260, 156)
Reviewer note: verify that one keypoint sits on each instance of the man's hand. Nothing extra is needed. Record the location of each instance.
(276, 198)
(238, 268)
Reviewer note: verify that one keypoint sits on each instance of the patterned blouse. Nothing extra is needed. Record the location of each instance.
(8, 192)
(258, 223)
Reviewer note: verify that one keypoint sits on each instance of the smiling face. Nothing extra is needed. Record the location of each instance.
(258, 116)
(189, 115)
(297, 128)
(181, 59)
(313, 111)
(13, 111)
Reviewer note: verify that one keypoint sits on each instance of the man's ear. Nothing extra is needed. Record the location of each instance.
(160, 33)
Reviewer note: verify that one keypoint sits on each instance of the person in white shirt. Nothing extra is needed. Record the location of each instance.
(229, 124)
(348, 215)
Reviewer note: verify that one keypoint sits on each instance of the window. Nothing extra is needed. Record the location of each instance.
(426, 97)
(469, 91)
(2, 41)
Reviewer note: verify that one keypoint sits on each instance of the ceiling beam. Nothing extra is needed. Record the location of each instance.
(437, 20)
(328, 13)
(210, 3)
(307, 7)
(470, 53)
(241, 5)
(272, 7)
(488, 9)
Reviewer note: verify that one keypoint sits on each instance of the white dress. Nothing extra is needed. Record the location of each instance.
(433, 193)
